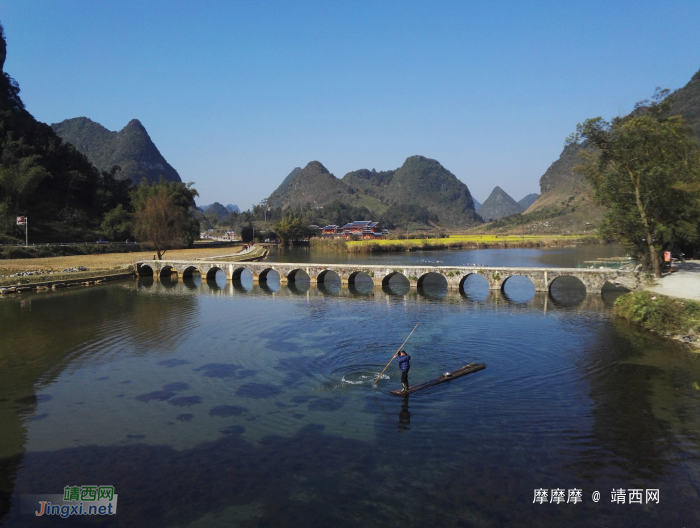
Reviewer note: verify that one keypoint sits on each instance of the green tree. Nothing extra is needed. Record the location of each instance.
(117, 223)
(288, 229)
(645, 170)
(161, 216)
(17, 182)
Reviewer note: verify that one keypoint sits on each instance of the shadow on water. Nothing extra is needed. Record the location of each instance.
(299, 287)
(567, 291)
(146, 282)
(168, 281)
(193, 281)
(329, 287)
(270, 286)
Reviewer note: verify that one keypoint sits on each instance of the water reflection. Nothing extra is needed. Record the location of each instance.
(300, 287)
(567, 291)
(329, 287)
(278, 395)
(558, 257)
(404, 415)
(518, 289)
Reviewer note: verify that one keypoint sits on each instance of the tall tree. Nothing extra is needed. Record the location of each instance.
(644, 170)
(161, 216)
(288, 229)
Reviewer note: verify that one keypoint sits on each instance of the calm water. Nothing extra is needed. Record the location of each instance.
(220, 404)
(550, 257)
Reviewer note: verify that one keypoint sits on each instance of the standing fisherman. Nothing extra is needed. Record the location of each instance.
(405, 365)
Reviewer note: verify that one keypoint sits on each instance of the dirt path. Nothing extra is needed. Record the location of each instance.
(684, 283)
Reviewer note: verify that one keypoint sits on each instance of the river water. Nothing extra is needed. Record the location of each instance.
(211, 403)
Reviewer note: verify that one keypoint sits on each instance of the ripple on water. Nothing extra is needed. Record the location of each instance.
(155, 395)
(170, 363)
(258, 390)
(325, 404)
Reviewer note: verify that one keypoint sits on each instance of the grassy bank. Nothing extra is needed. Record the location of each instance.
(678, 319)
(31, 252)
(465, 242)
(107, 260)
(36, 279)
(329, 244)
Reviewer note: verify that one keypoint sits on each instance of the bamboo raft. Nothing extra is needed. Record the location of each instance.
(448, 376)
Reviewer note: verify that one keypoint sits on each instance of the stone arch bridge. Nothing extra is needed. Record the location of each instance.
(542, 278)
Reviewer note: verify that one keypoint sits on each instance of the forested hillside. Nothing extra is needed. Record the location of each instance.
(131, 149)
(420, 191)
(44, 178)
(564, 192)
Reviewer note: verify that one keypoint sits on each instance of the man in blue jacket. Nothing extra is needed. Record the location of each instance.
(405, 365)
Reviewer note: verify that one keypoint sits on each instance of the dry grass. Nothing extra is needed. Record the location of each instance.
(109, 260)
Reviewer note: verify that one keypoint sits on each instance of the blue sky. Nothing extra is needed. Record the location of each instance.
(237, 94)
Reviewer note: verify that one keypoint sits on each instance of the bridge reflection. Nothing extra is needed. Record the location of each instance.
(560, 298)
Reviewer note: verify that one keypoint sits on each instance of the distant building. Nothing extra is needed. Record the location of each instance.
(362, 229)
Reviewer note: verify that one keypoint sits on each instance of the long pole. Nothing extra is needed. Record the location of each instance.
(392, 357)
(26, 231)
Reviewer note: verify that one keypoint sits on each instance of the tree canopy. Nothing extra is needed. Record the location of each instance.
(161, 218)
(646, 170)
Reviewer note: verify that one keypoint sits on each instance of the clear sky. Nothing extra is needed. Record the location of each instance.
(237, 94)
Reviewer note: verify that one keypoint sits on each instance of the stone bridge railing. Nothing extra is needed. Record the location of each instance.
(542, 278)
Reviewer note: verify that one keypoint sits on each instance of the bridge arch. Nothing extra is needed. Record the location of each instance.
(475, 286)
(188, 271)
(166, 271)
(265, 274)
(394, 275)
(612, 286)
(144, 270)
(328, 275)
(211, 272)
(567, 290)
(298, 275)
(432, 277)
(238, 272)
(363, 276)
(518, 288)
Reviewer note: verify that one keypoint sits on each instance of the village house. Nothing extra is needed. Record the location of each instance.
(361, 229)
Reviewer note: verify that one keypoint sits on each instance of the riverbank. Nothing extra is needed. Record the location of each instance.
(104, 261)
(451, 242)
(677, 319)
(86, 279)
(63, 250)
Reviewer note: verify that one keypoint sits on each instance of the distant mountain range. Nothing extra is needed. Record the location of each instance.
(219, 209)
(498, 205)
(420, 183)
(528, 200)
(131, 148)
